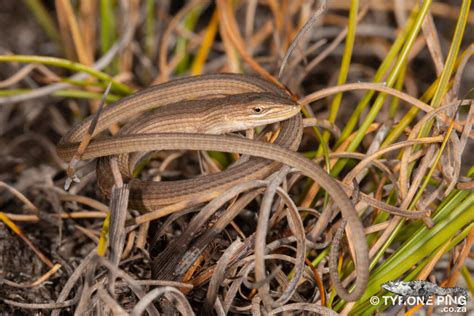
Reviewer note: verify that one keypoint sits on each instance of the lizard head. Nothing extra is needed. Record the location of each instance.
(249, 110)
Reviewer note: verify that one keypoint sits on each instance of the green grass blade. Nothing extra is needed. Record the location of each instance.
(44, 19)
(67, 64)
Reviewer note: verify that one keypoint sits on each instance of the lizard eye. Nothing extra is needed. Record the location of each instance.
(257, 109)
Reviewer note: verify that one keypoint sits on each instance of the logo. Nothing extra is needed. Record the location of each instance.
(411, 293)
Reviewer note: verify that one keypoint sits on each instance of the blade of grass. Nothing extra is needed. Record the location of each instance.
(73, 27)
(203, 52)
(107, 25)
(392, 76)
(150, 29)
(413, 203)
(449, 220)
(433, 167)
(451, 58)
(67, 64)
(367, 308)
(44, 19)
(344, 69)
(399, 86)
(397, 131)
(379, 75)
(66, 93)
(310, 189)
(447, 72)
(468, 278)
(190, 22)
(104, 234)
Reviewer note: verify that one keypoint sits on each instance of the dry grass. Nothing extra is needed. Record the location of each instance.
(386, 92)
